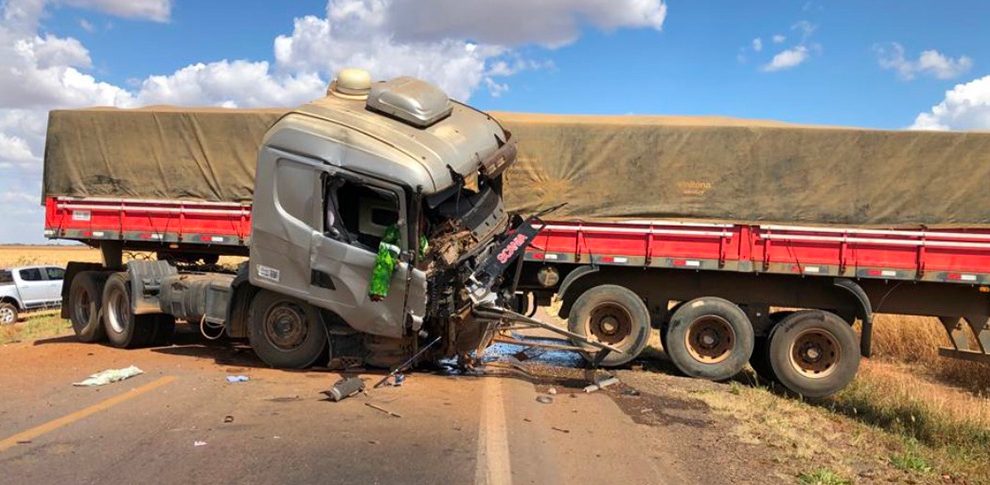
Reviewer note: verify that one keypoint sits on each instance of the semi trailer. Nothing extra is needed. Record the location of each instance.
(739, 242)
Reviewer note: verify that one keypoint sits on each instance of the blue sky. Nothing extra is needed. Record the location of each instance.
(691, 66)
(879, 64)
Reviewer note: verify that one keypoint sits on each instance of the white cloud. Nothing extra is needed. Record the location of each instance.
(757, 44)
(965, 107)
(87, 25)
(787, 59)
(231, 84)
(932, 62)
(795, 55)
(510, 22)
(156, 10)
(460, 46)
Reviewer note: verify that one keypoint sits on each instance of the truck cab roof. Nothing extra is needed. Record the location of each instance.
(419, 147)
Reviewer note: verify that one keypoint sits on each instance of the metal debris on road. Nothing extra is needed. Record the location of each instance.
(379, 408)
(109, 376)
(562, 430)
(199, 443)
(233, 379)
(544, 399)
(602, 384)
(228, 419)
(345, 388)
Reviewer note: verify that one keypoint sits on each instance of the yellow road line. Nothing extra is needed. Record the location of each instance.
(492, 466)
(82, 413)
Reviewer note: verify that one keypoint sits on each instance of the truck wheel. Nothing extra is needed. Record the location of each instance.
(84, 306)
(760, 360)
(285, 332)
(814, 353)
(124, 329)
(613, 315)
(8, 313)
(710, 337)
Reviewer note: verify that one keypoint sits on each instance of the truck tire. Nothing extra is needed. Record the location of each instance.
(8, 313)
(710, 338)
(124, 329)
(615, 316)
(84, 302)
(285, 332)
(760, 360)
(813, 353)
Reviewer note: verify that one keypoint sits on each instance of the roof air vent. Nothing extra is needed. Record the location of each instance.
(415, 102)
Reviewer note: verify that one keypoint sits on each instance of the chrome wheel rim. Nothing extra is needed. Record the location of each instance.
(118, 312)
(7, 316)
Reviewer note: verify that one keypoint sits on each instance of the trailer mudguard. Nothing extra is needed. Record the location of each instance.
(865, 313)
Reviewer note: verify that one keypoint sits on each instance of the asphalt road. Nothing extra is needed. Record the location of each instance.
(182, 422)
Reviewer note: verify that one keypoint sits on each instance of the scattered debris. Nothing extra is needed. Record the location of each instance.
(199, 443)
(527, 420)
(602, 384)
(379, 408)
(407, 363)
(345, 388)
(285, 398)
(24, 442)
(233, 379)
(109, 376)
(562, 430)
(399, 379)
(228, 419)
(630, 392)
(374, 442)
(544, 399)
(552, 391)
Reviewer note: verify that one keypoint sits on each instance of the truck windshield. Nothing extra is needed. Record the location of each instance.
(6, 278)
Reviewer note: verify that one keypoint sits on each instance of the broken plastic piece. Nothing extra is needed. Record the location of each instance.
(199, 443)
(233, 379)
(544, 399)
(108, 376)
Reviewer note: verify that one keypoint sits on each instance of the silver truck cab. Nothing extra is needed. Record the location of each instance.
(332, 176)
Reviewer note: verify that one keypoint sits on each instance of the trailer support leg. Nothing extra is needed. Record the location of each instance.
(113, 254)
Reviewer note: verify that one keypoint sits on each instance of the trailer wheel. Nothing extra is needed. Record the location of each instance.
(285, 332)
(124, 329)
(8, 313)
(613, 315)
(84, 304)
(760, 360)
(813, 353)
(710, 337)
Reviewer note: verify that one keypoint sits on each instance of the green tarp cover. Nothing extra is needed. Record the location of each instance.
(604, 167)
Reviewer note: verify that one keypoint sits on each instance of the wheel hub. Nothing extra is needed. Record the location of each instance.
(285, 326)
(815, 353)
(710, 339)
(119, 311)
(610, 323)
(6, 316)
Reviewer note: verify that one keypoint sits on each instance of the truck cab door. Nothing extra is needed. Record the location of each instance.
(356, 212)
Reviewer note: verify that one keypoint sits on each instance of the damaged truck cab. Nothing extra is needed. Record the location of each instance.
(333, 176)
(390, 181)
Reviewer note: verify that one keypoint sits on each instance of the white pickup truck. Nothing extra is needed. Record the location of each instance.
(29, 288)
